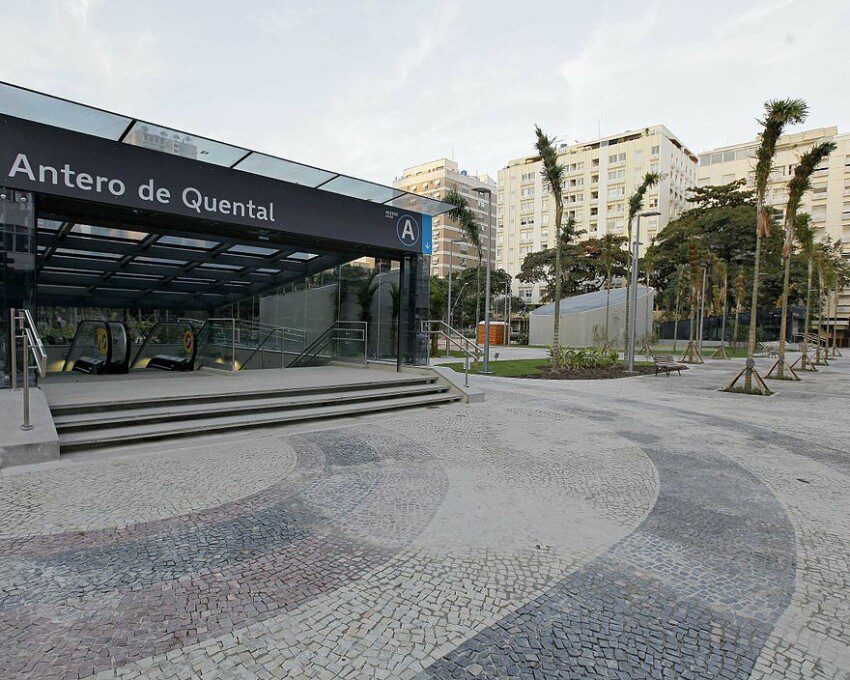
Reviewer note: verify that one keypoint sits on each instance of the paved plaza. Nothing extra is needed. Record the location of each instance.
(636, 528)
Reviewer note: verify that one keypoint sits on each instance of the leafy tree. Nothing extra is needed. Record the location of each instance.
(797, 186)
(721, 220)
(553, 173)
(465, 296)
(437, 304)
(583, 265)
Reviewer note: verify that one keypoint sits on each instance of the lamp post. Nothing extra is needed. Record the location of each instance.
(449, 301)
(485, 191)
(633, 291)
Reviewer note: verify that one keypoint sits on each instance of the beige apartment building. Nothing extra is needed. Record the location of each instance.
(434, 179)
(828, 201)
(600, 177)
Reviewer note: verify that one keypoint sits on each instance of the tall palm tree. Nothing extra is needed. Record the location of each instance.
(806, 238)
(822, 262)
(797, 186)
(678, 281)
(553, 174)
(841, 276)
(740, 291)
(692, 354)
(649, 260)
(609, 246)
(650, 179)
(721, 274)
(778, 113)
(472, 233)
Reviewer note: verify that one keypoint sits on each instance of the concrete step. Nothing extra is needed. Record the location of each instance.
(62, 409)
(123, 434)
(154, 412)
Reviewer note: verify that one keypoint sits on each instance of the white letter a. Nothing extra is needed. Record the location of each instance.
(407, 232)
(22, 164)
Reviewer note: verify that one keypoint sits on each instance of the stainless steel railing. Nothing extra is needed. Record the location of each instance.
(253, 336)
(23, 327)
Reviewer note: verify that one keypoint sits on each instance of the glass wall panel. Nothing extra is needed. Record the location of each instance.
(17, 267)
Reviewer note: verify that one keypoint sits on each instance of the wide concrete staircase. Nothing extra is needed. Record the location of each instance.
(110, 423)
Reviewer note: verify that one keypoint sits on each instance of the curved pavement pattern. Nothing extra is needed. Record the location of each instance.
(620, 529)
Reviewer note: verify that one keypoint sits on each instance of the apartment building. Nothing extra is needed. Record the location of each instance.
(828, 201)
(450, 247)
(601, 176)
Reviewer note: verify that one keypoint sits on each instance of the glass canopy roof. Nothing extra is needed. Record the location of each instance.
(42, 108)
(81, 264)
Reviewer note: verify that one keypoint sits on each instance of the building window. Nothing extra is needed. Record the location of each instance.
(655, 150)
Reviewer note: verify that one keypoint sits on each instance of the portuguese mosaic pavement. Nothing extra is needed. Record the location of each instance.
(642, 528)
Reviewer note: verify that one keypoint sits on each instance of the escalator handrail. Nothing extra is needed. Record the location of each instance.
(175, 323)
(80, 325)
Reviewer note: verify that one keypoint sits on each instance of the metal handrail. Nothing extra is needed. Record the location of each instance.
(337, 331)
(22, 319)
(453, 336)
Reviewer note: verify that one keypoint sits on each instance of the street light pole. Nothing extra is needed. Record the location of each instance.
(485, 191)
(633, 291)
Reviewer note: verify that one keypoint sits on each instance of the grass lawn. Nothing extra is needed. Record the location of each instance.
(515, 368)
(509, 368)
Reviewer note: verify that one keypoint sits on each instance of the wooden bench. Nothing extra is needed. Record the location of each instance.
(666, 363)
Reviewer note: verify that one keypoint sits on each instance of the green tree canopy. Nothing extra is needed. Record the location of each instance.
(720, 225)
(583, 263)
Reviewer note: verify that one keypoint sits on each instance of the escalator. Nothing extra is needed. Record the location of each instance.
(169, 346)
(98, 348)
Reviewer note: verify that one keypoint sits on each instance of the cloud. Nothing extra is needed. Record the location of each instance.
(67, 52)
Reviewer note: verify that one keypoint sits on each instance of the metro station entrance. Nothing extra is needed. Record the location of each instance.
(136, 247)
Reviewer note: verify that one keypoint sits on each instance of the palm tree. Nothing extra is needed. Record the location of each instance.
(692, 354)
(777, 114)
(841, 277)
(721, 272)
(806, 238)
(677, 286)
(553, 174)
(648, 262)
(650, 179)
(472, 233)
(797, 186)
(822, 261)
(740, 286)
(609, 246)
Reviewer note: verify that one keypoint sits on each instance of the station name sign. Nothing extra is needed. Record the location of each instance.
(99, 186)
(55, 161)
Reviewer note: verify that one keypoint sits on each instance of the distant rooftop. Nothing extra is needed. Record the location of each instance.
(38, 107)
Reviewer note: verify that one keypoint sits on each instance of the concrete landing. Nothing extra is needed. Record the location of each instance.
(80, 389)
(17, 447)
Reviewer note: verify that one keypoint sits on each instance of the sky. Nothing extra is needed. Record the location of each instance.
(370, 88)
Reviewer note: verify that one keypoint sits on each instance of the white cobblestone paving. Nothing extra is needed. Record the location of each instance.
(614, 529)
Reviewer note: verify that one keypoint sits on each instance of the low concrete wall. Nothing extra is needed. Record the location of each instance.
(38, 445)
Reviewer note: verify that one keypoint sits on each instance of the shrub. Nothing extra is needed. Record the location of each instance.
(585, 358)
